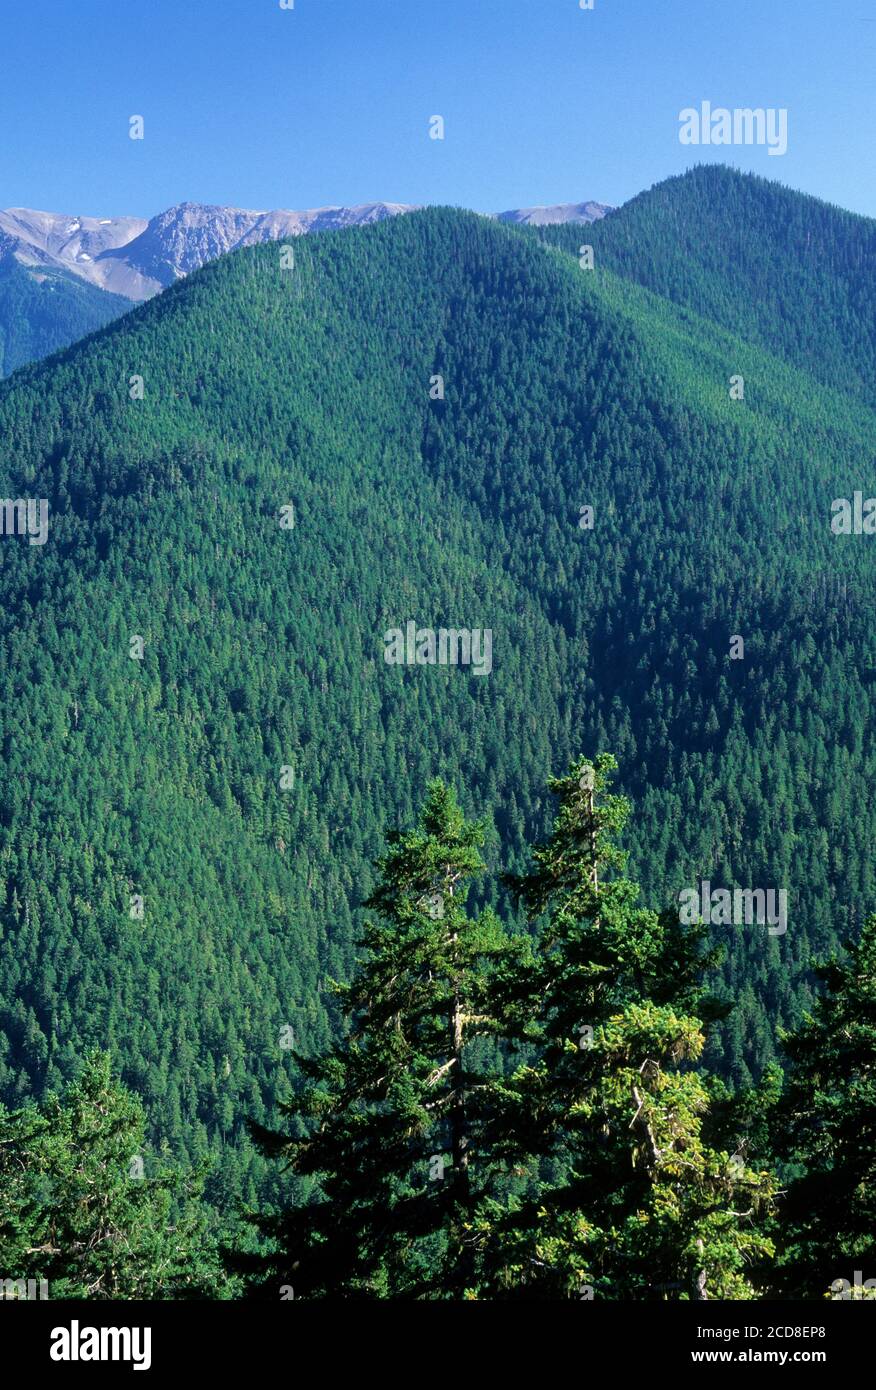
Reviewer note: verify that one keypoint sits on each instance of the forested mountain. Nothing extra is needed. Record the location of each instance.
(42, 311)
(778, 268)
(259, 474)
(53, 267)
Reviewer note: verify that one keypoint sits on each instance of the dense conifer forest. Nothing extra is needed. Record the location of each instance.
(252, 479)
(43, 311)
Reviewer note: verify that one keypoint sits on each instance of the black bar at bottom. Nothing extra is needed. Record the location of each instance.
(412, 1341)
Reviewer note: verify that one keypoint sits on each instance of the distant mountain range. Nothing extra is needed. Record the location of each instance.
(137, 259)
(557, 214)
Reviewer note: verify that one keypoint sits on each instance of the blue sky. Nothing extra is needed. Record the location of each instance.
(248, 104)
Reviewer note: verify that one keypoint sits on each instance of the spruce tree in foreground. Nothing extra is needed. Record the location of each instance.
(643, 1208)
(80, 1209)
(829, 1129)
(385, 1133)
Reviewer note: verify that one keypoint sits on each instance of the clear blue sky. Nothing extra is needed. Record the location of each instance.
(248, 104)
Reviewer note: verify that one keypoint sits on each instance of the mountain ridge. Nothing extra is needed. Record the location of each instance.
(137, 257)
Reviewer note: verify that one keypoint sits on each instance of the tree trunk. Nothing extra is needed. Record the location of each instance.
(700, 1295)
(458, 1135)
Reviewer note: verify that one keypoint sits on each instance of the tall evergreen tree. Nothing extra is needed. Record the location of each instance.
(81, 1208)
(829, 1132)
(643, 1207)
(384, 1131)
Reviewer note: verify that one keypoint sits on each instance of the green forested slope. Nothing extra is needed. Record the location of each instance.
(782, 269)
(264, 646)
(39, 316)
